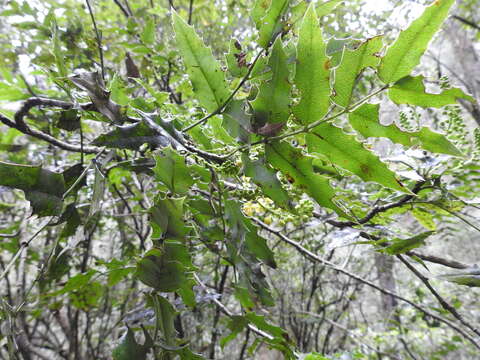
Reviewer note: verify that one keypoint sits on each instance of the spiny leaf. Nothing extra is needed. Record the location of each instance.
(269, 25)
(298, 168)
(172, 170)
(167, 218)
(405, 53)
(43, 188)
(265, 177)
(271, 104)
(207, 78)
(353, 63)
(326, 7)
(346, 152)
(411, 90)
(365, 120)
(129, 349)
(312, 76)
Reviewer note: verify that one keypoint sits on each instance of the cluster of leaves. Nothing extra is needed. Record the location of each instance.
(283, 125)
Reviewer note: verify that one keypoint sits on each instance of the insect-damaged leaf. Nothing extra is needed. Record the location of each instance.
(312, 74)
(365, 120)
(411, 90)
(43, 188)
(353, 63)
(208, 80)
(271, 104)
(405, 53)
(345, 151)
(270, 24)
(298, 168)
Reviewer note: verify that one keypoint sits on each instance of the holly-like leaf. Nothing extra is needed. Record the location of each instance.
(401, 246)
(265, 177)
(367, 54)
(167, 218)
(298, 169)
(129, 349)
(270, 25)
(172, 171)
(93, 84)
(271, 104)
(312, 74)
(411, 90)
(405, 53)
(43, 188)
(161, 271)
(237, 59)
(208, 79)
(365, 120)
(345, 151)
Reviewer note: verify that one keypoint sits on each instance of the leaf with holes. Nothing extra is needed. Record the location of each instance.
(405, 53)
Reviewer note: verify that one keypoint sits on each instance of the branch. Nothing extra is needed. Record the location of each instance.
(440, 299)
(315, 258)
(378, 209)
(467, 22)
(22, 126)
(98, 38)
(225, 103)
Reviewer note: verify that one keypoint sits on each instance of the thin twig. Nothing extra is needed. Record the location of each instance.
(98, 38)
(225, 103)
(313, 257)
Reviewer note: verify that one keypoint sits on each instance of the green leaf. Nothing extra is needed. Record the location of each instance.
(172, 171)
(353, 63)
(401, 246)
(326, 7)
(298, 168)
(43, 188)
(345, 151)
(405, 53)
(208, 80)
(271, 106)
(237, 59)
(269, 25)
(468, 277)
(161, 271)
(167, 218)
(236, 324)
(258, 11)
(129, 349)
(411, 90)
(265, 177)
(365, 120)
(148, 34)
(312, 76)
(236, 121)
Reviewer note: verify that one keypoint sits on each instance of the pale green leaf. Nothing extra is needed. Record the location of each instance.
(148, 34)
(367, 54)
(345, 151)
(411, 90)
(405, 53)
(312, 76)
(208, 80)
(401, 246)
(365, 120)
(298, 168)
(270, 25)
(326, 7)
